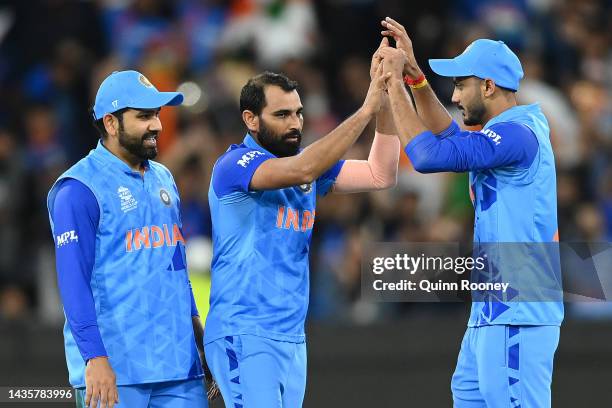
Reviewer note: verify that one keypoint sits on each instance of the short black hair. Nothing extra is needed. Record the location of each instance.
(252, 96)
(99, 124)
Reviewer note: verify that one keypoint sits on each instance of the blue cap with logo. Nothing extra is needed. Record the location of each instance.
(131, 89)
(485, 59)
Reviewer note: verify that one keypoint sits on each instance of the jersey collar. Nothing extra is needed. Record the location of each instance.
(249, 141)
(105, 155)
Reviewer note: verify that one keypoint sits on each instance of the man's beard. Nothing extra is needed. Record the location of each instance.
(278, 144)
(475, 114)
(136, 145)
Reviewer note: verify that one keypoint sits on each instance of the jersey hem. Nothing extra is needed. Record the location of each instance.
(301, 338)
(193, 377)
(515, 324)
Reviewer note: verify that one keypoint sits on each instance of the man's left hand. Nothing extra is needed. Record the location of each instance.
(393, 61)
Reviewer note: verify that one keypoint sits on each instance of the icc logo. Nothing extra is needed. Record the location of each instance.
(165, 197)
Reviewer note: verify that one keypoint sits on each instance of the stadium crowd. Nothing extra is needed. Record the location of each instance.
(53, 57)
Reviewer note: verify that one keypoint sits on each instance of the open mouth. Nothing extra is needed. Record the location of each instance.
(150, 141)
(293, 138)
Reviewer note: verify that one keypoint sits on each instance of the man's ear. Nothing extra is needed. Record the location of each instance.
(111, 124)
(251, 121)
(488, 88)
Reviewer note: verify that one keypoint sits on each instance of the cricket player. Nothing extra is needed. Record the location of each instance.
(132, 327)
(506, 356)
(262, 198)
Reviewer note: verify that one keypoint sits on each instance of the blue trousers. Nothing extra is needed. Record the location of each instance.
(505, 367)
(256, 372)
(171, 394)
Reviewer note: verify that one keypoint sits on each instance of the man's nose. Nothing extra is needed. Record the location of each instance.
(156, 125)
(296, 122)
(455, 97)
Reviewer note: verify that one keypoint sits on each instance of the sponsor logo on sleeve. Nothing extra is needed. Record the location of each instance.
(492, 135)
(248, 157)
(66, 238)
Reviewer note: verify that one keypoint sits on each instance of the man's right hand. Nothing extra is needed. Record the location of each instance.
(376, 92)
(100, 383)
(404, 43)
(376, 57)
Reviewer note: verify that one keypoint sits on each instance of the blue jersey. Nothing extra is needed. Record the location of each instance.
(261, 241)
(139, 281)
(513, 188)
(75, 209)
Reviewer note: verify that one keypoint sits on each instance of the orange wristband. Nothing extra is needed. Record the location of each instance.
(409, 81)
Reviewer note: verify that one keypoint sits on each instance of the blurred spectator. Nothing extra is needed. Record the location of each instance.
(276, 30)
(12, 174)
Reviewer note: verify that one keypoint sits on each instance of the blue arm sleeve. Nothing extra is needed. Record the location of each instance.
(234, 170)
(501, 145)
(194, 307)
(75, 221)
(327, 179)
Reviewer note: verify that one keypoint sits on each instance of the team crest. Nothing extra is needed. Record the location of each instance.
(165, 197)
(306, 188)
(143, 80)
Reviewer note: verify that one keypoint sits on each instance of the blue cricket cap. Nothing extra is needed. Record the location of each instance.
(485, 59)
(131, 89)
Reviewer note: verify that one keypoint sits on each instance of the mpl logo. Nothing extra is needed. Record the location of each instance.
(492, 135)
(66, 238)
(248, 157)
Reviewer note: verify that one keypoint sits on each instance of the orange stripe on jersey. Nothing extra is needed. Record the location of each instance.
(280, 216)
(128, 241)
(312, 219)
(158, 236)
(176, 235)
(167, 234)
(292, 219)
(556, 236)
(142, 238)
(306, 220)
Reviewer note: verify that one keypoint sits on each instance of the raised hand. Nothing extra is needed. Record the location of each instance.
(404, 43)
(376, 58)
(393, 61)
(376, 92)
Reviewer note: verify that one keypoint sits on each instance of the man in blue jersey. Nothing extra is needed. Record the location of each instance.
(132, 331)
(507, 353)
(262, 198)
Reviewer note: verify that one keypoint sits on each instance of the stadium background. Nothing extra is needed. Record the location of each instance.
(54, 54)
